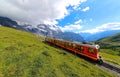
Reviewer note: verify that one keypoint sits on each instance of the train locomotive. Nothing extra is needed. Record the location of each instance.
(87, 50)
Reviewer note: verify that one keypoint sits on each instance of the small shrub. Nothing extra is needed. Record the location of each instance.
(11, 48)
(63, 53)
(37, 62)
(45, 53)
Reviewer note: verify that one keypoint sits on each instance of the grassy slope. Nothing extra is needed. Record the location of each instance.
(23, 55)
(111, 48)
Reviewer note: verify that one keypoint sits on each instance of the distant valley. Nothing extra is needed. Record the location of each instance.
(111, 42)
(93, 37)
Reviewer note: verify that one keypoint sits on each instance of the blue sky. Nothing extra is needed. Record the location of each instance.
(90, 16)
(100, 12)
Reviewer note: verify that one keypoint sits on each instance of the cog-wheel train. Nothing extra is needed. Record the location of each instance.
(87, 50)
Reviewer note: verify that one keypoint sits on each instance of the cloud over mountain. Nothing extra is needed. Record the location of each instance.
(75, 27)
(37, 11)
(105, 27)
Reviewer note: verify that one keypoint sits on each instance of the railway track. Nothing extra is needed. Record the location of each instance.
(106, 66)
(114, 69)
(111, 68)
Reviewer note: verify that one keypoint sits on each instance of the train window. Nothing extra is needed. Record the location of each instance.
(91, 50)
(59, 42)
(52, 40)
(74, 45)
(55, 41)
(64, 44)
(81, 48)
(71, 45)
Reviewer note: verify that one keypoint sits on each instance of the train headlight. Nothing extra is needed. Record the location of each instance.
(97, 46)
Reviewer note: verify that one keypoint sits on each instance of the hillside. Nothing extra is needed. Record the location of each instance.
(114, 39)
(110, 42)
(110, 48)
(24, 55)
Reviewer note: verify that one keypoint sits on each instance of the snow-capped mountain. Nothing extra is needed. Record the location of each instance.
(52, 31)
(49, 30)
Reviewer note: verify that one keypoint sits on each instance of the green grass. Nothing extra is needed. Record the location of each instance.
(23, 55)
(111, 56)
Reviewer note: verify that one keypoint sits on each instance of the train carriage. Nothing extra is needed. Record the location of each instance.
(90, 51)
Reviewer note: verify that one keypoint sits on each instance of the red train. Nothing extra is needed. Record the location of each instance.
(90, 51)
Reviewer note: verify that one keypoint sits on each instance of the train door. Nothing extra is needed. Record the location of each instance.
(92, 52)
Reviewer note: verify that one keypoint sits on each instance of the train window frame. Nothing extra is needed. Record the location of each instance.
(73, 45)
(69, 44)
(58, 42)
(55, 41)
(91, 50)
(65, 44)
(81, 48)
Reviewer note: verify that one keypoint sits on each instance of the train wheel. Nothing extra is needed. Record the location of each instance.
(100, 61)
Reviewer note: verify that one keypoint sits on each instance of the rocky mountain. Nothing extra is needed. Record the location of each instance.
(72, 36)
(10, 23)
(93, 37)
(7, 22)
(52, 31)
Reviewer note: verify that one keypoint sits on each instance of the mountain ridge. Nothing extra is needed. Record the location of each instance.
(52, 31)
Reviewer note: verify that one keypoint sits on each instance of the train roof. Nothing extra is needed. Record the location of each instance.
(89, 45)
(86, 44)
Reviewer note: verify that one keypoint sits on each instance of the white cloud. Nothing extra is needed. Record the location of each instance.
(76, 8)
(79, 21)
(104, 27)
(86, 9)
(37, 11)
(73, 27)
